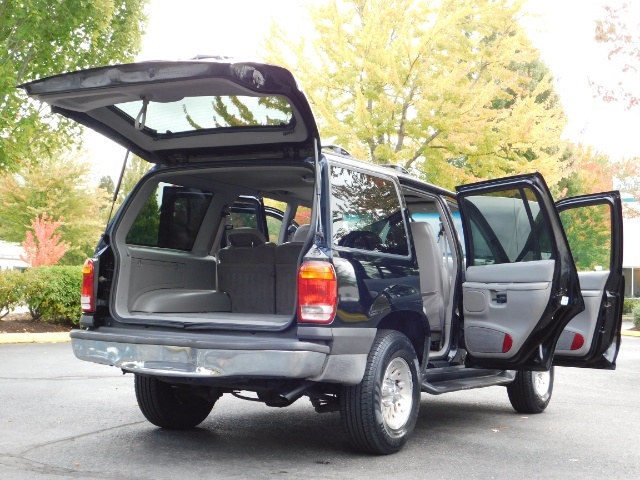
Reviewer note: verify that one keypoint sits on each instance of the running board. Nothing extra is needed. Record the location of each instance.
(452, 379)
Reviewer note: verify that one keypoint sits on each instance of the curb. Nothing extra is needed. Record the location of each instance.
(631, 333)
(56, 337)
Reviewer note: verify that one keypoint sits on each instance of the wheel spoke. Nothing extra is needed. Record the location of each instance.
(541, 383)
(396, 399)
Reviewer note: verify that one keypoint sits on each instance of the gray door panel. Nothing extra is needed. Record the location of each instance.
(500, 315)
(593, 224)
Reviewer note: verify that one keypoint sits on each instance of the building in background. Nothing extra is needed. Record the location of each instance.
(10, 256)
(631, 257)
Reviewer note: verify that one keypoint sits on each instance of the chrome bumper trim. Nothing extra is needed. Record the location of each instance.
(174, 361)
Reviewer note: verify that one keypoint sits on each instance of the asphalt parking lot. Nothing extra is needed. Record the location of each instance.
(62, 418)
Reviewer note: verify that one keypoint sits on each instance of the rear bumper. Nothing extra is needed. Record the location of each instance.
(206, 356)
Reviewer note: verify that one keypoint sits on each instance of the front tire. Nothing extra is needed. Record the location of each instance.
(168, 406)
(530, 392)
(380, 412)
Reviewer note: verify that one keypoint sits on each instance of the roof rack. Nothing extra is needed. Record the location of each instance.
(397, 168)
(337, 149)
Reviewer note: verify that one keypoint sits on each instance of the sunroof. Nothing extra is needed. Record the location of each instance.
(191, 114)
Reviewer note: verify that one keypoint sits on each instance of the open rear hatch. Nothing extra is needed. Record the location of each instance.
(183, 111)
(231, 130)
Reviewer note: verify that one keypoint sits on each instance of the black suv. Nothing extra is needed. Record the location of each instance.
(251, 261)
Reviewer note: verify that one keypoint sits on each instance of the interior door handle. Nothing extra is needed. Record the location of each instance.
(501, 298)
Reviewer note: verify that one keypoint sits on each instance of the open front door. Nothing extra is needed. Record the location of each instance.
(593, 225)
(521, 287)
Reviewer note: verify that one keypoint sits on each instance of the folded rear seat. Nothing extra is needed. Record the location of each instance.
(246, 271)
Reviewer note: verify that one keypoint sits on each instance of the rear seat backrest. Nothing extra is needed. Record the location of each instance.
(287, 256)
(431, 270)
(246, 271)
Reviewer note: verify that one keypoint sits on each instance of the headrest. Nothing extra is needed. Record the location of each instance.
(245, 237)
(301, 233)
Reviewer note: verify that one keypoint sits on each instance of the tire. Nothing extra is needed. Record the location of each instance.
(379, 413)
(530, 392)
(168, 406)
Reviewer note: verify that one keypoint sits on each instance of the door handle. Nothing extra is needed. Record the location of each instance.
(501, 298)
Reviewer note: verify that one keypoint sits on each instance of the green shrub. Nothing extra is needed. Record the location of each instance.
(53, 293)
(636, 315)
(629, 304)
(10, 291)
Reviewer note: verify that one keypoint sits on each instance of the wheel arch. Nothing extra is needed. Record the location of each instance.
(411, 324)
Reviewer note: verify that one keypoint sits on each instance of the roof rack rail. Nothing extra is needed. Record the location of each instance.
(398, 168)
(337, 149)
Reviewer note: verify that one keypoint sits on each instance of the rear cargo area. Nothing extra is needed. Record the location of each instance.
(213, 247)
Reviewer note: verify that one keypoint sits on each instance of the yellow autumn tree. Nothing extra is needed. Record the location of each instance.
(451, 89)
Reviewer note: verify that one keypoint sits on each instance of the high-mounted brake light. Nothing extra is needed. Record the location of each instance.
(87, 298)
(317, 292)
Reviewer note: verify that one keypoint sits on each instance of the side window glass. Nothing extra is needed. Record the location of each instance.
(244, 214)
(303, 215)
(366, 213)
(507, 227)
(588, 231)
(274, 225)
(170, 218)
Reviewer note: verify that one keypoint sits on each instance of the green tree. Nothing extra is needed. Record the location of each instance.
(588, 229)
(453, 89)
(134, 171)
(144, 230)
(106, 183)
(585, 171)
(60, 189)
(40, 38)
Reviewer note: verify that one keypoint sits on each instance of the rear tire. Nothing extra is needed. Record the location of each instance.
(530, 392)
(380, 412)
(168, 406)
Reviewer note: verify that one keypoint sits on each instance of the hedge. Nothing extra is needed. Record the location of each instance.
(636, 315)
(52, 294)
(629, 304)
(10, 291)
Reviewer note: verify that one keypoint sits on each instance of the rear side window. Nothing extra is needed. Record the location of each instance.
(588, 231)
(170, 218)
(506, 227)
(366, 213)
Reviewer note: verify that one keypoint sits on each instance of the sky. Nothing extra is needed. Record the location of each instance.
(563, 31)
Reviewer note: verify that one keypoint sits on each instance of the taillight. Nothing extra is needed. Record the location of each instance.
(317, 292)
(87, 298)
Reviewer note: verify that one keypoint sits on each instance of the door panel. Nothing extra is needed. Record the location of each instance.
(495, 295)
(593, 224)
(576, 338)
(521, 286)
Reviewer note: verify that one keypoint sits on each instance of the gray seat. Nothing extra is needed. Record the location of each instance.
(431, 273)
(246, 271)
(301, 233)
(287, 256)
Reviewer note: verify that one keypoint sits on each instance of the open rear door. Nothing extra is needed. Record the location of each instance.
(521, 287)
(593, 225)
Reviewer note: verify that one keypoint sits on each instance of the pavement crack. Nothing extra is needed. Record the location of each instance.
(76, 437)
(18, 462)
